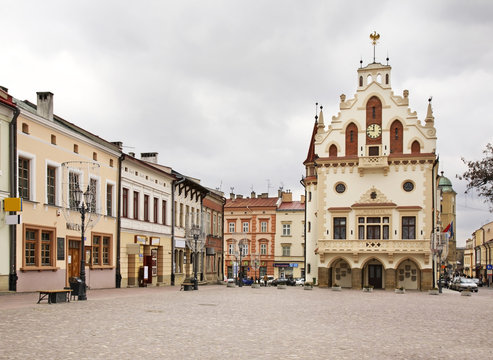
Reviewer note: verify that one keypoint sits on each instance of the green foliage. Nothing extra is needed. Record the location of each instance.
(480, 175)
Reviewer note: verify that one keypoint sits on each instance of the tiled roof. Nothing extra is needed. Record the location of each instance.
(293, 205)
(257, 202)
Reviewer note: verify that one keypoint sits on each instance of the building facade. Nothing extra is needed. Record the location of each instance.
(249, 235)
(213, 207)
(370, 183)
(55, 158)
(145, 221)
(448, 224)
(289, 241)
(8, 117)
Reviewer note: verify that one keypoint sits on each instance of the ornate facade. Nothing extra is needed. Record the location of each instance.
(370, 184)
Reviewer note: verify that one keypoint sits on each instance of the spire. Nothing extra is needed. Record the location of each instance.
(321, 124)
(429, 115)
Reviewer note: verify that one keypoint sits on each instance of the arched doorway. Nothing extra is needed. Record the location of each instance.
(408, 275)
(341, 274)
(374, 274)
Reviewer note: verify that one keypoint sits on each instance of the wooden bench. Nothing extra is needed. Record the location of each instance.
(55, 296)
(187, 286)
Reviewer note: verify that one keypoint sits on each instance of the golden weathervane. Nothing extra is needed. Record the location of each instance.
(374, 38)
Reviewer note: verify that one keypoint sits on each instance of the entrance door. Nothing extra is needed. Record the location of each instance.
(375, 276)
(73, 258)
(148, 263)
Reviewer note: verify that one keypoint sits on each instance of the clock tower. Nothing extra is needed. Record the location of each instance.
(371, 189)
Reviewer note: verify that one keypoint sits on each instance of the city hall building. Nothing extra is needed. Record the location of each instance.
(370, 182)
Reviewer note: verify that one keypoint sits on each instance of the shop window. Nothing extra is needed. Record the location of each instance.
(39, 247)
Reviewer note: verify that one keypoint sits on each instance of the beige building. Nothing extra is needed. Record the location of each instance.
(477, 255)
(370, 183)
(145, 221)
(8, 116)
(289, 240)
(52, 154)
(448, 223)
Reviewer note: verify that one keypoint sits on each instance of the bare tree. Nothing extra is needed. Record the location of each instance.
(480, 175)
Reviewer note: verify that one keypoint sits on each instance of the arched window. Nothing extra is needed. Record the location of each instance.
(374, 116)
(361, 81)
(351, 140)
(332, 151)
(396, 137)
(379, 78)
(415, 147)
(369, 79)
(387, 79)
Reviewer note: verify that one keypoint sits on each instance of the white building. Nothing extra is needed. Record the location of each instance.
(370, 180)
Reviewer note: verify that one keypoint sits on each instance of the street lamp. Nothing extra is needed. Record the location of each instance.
(83, 205)
(195, 232)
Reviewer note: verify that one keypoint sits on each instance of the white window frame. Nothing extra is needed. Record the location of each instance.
(113, 197)
(286, 229)
(58, 181)
(263, 226)
(263, 249)
(245, 225)
(32, 173)
(231, 226)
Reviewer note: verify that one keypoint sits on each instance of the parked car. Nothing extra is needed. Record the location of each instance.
(461, 284)
(299, 281)
(247, 281)
(478, 282)
(287, 281)
(269, 280)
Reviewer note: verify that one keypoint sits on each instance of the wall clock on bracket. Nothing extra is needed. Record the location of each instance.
(373, 131)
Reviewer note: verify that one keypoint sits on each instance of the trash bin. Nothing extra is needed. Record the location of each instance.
(76, 286)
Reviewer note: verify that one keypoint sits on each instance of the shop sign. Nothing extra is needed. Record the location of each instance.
(281, 265)
(155, 241)
(139, 239)
(294, 265)
(245, 263)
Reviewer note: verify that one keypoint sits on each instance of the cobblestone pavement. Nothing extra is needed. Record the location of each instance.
(217, 322)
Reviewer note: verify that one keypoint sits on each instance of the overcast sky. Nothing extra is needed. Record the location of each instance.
(225, 91)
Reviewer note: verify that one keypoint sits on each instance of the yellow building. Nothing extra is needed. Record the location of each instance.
(52, 154)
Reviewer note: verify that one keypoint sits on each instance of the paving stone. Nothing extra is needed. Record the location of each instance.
(216, 322)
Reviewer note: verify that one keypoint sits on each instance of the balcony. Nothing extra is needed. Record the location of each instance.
(373, 163)
(374, 246)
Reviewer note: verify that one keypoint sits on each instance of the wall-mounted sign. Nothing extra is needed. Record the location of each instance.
(12, 204)
(73, 226)
(13, 219)
(140, 239)
(155, 241)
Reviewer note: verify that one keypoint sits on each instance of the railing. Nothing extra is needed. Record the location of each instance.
(394, 246)
(373, 162)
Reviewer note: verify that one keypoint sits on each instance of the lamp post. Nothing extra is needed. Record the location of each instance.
(83, 205)
(195, 232)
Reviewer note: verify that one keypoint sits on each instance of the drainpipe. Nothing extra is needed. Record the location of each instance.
(222, 239)
(13, 193)
(173, 221)
(433, 175)
(118, 280)
(302, 182)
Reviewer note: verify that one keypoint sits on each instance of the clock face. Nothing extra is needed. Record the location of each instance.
(373, 131)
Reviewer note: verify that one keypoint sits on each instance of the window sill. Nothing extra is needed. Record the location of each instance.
(39, 268)
(101, 267)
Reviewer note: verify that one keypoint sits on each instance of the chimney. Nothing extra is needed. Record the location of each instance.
(252, 195)
(239, 196)
(302, 199)
(149, 156)
(232, 196)
(264, 196)
(118, 144)
(45, 105)
(287, 197)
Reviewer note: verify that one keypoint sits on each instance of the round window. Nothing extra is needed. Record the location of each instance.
(340, 188)
(408, 186)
